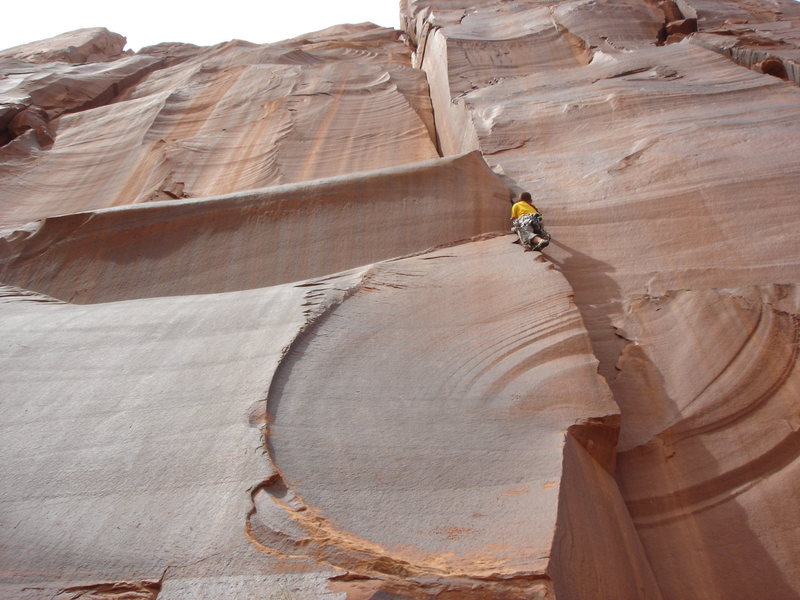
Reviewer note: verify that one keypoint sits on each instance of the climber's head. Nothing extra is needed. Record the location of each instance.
(526, 197)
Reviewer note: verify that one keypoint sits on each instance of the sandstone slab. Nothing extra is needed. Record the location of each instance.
(456, 465)
(130, 439)
(208, 121)
(261, 340)
(660, 166)
(254, 239)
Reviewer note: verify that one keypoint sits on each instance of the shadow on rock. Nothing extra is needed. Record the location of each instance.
(597, 297)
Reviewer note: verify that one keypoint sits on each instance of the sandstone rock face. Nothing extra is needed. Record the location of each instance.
(417, 465)
(259, 238)
(91, 45)
(264, 336)
(217, 120)
(663, 170)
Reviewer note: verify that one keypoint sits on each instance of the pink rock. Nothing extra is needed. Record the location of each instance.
(261, 339)
(96, 44)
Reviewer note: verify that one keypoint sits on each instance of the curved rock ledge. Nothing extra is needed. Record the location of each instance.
(197, 122)
(413, 403)
(254, 239)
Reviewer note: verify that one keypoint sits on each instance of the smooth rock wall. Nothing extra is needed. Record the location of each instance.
(257, 238)
(661, 163)
(130, 437)
(259, 340)
(195, 122)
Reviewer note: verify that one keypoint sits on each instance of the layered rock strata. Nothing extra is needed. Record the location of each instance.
(195, 122)
(256, 238)
(446, 469)
(667, 174)
(261, 340)
(107, 285)
(130, 437)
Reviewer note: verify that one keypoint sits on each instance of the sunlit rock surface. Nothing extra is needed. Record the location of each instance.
(192, 122)
(256, 238)
(263, 336)
(150, 444)
(668, 176)
(720, 443)
(91, 45)
(448, 463)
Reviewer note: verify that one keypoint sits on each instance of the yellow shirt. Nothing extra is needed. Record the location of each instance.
(522, 208)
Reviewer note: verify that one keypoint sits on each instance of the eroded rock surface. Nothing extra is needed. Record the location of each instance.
(715, 450)
(257, 238)
(661, 165)
(448, 465)
(260, 340)
(151, 413)
(91, 45)
(204, 121)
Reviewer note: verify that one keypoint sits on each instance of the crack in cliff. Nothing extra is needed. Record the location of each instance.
(430, 126)
(675, 25)
(599, 436)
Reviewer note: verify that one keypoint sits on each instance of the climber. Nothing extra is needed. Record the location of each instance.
(526, 222)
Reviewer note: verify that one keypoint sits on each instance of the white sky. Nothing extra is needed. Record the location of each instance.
(148, 22)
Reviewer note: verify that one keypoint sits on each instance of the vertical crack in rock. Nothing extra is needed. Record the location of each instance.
(602, 238)
(599, 436)
(676, 26)
(216, 120)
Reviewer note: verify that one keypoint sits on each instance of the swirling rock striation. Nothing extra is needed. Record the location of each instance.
(261, 340)
(716, 447)
(662, 164)
(449, 462)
